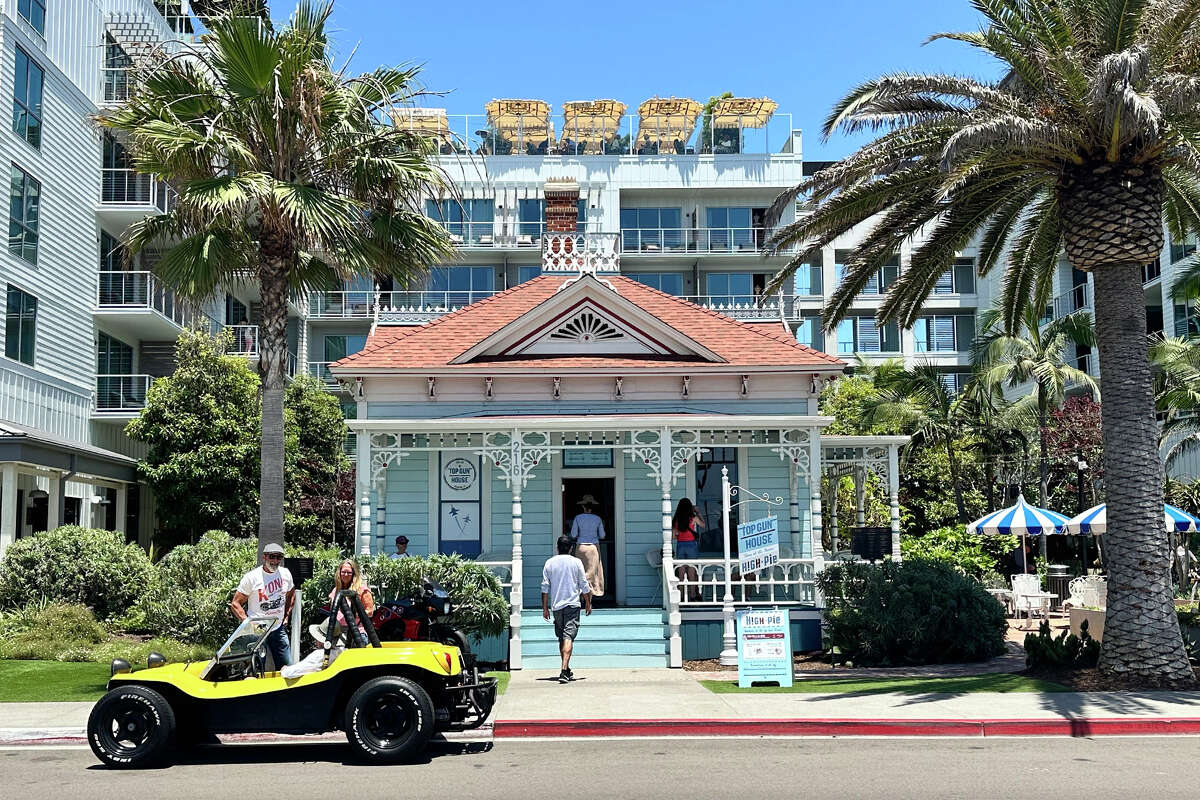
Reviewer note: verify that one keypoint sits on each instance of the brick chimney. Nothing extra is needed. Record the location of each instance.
(562, 205)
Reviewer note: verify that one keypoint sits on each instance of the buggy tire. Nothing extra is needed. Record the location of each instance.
(389, 719)
(446, 634)
(131, 727)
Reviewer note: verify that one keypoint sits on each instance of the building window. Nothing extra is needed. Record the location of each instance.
(878, 283)
(708, 497)
(809, 280)
(34, 12)
(528, 273)
(20, 325)
(669, 282)
(731, 287)
(651, 229)
(27, 99)
(946, 334)
(1183, 249)
(732, 228)
(23, 202)
(114, 366)
(531, 216)
(463, 285)
(960, 279)
(468, 221)
(117, 68)
(236, 312)
(808, 332)
(338, 347)
(863, 335)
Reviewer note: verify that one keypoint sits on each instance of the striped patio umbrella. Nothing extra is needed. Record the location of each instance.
(1021, 519)
(1094, 521)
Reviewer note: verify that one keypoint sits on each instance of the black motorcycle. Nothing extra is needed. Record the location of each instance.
(422, 618)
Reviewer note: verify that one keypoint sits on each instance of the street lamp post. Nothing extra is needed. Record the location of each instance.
(1080, 466)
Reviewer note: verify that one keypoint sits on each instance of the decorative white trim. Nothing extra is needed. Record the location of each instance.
(794, 447)
(515, 453)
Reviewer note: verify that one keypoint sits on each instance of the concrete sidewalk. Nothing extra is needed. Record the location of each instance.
(655, 702)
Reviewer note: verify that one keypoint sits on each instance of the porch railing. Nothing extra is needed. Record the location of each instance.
(740, 306)
(701, 581)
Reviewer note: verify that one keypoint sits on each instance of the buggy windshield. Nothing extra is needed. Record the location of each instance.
(247, 638)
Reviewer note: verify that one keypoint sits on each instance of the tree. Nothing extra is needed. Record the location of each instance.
(285, 174)
(1035, 354)
(1177, 393)
(918, 400)
(320, 496)
(201, 428)
(1088, 141)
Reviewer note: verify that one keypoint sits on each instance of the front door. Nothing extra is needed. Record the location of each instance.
(603, 491)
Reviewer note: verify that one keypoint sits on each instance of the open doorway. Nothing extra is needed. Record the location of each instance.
(603, 491)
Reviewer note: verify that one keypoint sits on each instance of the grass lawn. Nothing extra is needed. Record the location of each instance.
(1001, 682)
(51, 681)
(501, 680)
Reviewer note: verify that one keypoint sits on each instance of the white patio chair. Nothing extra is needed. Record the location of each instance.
(1028, 597)
(1084, 592)
(654, 559)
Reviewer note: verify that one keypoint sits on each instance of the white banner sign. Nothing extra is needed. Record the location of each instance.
(758, 544)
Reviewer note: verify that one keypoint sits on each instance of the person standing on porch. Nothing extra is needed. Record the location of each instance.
(685, 528)
(586, 531)
(564, 587)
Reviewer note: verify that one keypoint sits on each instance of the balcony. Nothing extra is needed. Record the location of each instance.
(1078, 299)
(502, 234)
(1152, 271)
(417, 308)
(692, 241)
(127, 196)
(245, 341)
(121, 396)
(341, 305)
(746, 308)
(136, 306)
(320, 370)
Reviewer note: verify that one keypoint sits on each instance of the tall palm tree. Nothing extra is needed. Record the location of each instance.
(919, 400)
(1036, 354)
(285, 174)
(1088, 140)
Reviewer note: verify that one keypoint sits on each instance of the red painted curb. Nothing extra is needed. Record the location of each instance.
(1138, 726)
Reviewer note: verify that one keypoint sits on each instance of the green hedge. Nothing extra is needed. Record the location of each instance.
(971, 554)
(914, 612)
(70, 564)
(479, 607)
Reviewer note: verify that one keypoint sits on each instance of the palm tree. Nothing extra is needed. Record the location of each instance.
(1036, 354)
(1089, 140)
(1177, 395)
(286, 175)
(920, 400)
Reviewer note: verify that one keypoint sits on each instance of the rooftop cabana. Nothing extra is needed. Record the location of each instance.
(730, 116)
(665, 124)
(589, 125)
(520, 126)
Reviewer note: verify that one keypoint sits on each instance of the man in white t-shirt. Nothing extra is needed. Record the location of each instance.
(268, 591)
(564, 587)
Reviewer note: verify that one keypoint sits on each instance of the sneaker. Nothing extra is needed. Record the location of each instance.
(570, 674)
(564, 676)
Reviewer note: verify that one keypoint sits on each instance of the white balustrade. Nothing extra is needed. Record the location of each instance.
(701, 583)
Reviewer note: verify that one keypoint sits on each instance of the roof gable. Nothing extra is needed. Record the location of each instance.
(589, 319)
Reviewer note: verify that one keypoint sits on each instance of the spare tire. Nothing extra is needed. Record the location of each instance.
(131, 727)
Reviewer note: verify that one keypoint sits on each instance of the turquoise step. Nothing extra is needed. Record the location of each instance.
(580, 664)
(609, 638)
(622, 633)
(597, 647)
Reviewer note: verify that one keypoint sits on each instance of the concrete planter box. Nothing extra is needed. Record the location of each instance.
(1095, 621)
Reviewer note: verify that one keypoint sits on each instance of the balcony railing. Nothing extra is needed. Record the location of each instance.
(742, 306)
(121, 393)
(503, 233)
(418, 307)
(652, 241)
(245, 340)
(1188, 326)
(141, 290)
(320, 370)
(1152, 271)
(341, 305)
(124, 186)
(1078, 299)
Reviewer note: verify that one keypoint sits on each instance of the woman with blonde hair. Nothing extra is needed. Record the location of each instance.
(349, 576)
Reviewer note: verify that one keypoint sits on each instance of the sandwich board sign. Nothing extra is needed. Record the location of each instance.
(764, 645)
(758, 545)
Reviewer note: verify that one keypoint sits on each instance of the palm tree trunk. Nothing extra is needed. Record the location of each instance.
(1043, 458)
(1141, 631)
(272, 366)
(958, 493)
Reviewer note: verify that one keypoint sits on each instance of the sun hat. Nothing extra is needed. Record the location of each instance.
(320, 633)
(587, 500)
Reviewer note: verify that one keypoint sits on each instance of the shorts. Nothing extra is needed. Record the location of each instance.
(566, 622)
(687, 549)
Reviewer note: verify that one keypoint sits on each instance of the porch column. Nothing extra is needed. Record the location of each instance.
(836, 483)
(86, 506)
(8, 505)
(54, 504)
(516, 601)
(814, 478)
(122, 509)
(674, 615)
(894, 497)
(860, 497)
(362, 490)
(794, 510)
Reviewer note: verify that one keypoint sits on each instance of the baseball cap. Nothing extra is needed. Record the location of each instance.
(273, 548)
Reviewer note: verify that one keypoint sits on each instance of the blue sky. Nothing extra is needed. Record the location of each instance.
(805, 54)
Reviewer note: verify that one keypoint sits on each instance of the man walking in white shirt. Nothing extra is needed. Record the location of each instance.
(564, 586)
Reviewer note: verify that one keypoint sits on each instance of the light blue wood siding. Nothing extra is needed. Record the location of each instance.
(643, 531)
(499, 502)
(539, 532)
(407, 510)
(702, 638)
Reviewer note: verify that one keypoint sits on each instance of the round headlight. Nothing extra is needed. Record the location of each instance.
(155, 660)
(119, 665)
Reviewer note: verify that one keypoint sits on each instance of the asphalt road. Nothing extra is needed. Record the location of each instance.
(694, 769)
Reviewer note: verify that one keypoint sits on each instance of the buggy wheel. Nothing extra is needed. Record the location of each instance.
(449, 635)
(131, 727)
(389, 719)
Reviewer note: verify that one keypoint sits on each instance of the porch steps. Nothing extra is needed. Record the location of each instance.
(611, 638)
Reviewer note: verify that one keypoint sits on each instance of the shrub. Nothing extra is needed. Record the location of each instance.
(971, 554)
(1065, 651)
(64, 632)
(913, 612)
(70, 564)
(477, 597)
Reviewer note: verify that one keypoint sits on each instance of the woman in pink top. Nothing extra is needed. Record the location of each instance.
(349, 576)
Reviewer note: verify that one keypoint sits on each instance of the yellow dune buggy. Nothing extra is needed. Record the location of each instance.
(388, 697)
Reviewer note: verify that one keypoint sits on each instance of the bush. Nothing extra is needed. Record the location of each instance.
(75, 565)
(63, 632)
(1065, 651)
(971, 554)
(477, 597)
(914, 612)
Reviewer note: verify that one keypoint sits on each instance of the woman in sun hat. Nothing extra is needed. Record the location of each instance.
(587, 530)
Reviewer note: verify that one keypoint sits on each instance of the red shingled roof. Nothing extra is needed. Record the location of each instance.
(437, 343)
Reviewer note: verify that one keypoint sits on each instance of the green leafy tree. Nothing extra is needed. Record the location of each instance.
(317, 466)
(1087, 142)
(286, 174)
(1177, 393)
(201, 426)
